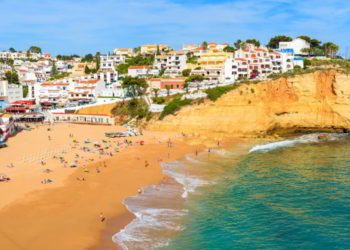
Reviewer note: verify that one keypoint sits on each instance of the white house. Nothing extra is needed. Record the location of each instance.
(110, 61)
(142, 71)
(297, 45)
(174, 62)
(12, 92)
(235, 69)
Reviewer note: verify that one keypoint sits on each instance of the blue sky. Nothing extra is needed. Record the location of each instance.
(84, 26)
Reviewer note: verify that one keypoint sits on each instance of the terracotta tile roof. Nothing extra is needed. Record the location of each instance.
(139, 67)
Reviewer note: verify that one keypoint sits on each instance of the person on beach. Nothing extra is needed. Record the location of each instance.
(146, 164)
(102, 217)
(196, 153)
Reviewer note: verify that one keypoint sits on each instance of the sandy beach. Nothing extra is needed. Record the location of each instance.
(67, 213)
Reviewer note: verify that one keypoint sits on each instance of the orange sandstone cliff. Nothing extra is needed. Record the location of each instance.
(317, 101)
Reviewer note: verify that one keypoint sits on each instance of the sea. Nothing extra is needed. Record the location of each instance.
(286, 194)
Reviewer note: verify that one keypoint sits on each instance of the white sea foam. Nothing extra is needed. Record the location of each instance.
(136, 234)
(159, 209)
(189, 183)
(311, 138)
(192, 160)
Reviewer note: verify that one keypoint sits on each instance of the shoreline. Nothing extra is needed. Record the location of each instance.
(118, 223)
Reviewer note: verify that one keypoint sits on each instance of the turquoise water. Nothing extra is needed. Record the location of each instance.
(295, 197)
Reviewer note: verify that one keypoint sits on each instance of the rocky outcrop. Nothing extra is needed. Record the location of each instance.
(318, 101)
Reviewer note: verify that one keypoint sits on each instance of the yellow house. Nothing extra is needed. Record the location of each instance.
(79, 68)
(214, 59)
(152, 48)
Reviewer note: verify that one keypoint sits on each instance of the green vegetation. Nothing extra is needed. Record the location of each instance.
(195, 78)
(253, 41)
(274, 41)
(88, 58)
(229, 49)
(291, 73)
(135, 108)
(66, 57)
(134, 85)
(12, 77)
(159, 100)
(205, 45)
(35, 49)
(186, 72)
(215, 93)
(98, 60)
(122, 69)
(138, 60)
(174, 106)
(54, 69)
(59, 76)
(25, 91)
(192, 59)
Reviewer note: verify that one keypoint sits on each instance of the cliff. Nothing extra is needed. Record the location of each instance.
(317, 101)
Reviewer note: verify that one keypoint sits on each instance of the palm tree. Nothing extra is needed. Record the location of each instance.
(155, 91)
(186, 86)
(330, 49)
(168, 87)
(306, 50)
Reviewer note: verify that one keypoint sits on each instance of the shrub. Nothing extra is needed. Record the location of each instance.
(174, 106)
(215, 93)
(135, 108)
(159, 100)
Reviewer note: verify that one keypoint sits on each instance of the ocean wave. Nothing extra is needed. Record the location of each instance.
(189, 183)
(192, 160)
(159, 209)
(311, 138)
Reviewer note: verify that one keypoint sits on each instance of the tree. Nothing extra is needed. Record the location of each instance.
(12, 77)
(155, 91)
(306, 38)
(98, 60)
(88, 58)
(12, 50)
(137, 86)
(54, 69)
(87, 70)
(122, 69)
(314, 43)
(158, 50)
(168, 87)
(137, 50)
(238, 43)
(254, 42)
(205, 45)
(195, 78)
(330, 49)
(25, 91)
(186, 72)
(306, 50)
(274, 41)
(229, 49)
(35, 49)
(162, 71)
(186, 86)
